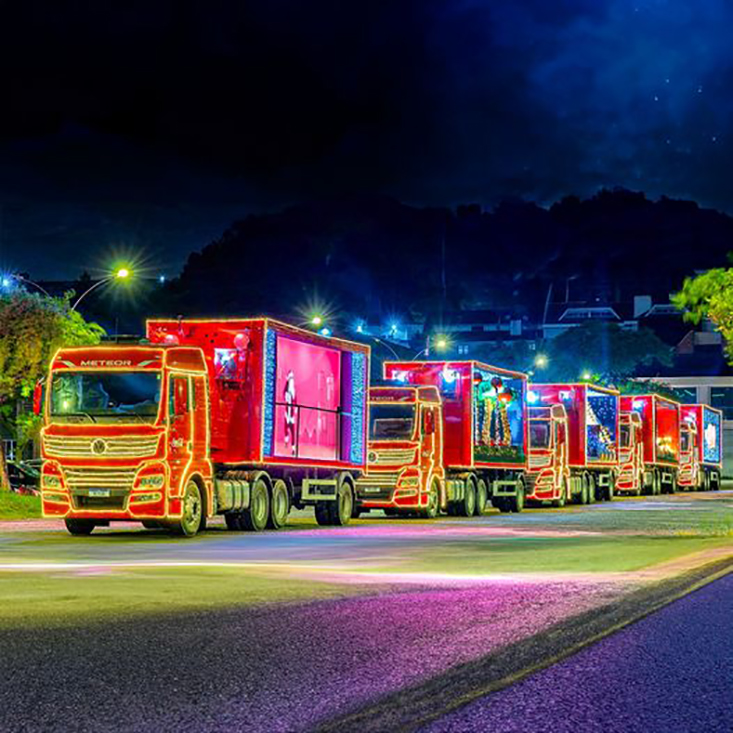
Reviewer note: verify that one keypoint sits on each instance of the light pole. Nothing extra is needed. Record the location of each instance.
(28, 281)
(122, 274)
(440, 343)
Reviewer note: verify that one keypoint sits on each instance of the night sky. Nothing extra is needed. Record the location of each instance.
(153, 124)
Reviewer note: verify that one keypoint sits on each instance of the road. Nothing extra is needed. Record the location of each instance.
(131, 630)
(672, 671)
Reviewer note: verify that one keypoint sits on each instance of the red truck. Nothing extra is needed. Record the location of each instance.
(630, 479)
(548, 477)
(240, 417)
(660, 438)
(469, 447)
(701, 457)
(593, 428)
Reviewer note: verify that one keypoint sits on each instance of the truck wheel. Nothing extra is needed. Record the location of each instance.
(433, 507)
(341, 509)
(584, 490)
(79, 527)
(609, 490)
(482, 494)
(254, 519)
(467, 506)
(279, 505)
(560, 503)
(192, 512)
(592, 497)
(657, 490)
(715, 481)
(516, 502)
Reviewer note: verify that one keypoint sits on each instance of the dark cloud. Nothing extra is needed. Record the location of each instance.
(155, 124)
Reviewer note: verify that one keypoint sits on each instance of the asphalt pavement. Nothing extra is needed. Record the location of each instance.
(671, 672)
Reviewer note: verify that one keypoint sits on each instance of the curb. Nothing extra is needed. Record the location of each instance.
(418, 705)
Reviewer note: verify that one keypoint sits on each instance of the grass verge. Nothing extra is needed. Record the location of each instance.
(19, 506)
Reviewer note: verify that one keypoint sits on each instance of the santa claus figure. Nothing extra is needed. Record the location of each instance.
(289, 399)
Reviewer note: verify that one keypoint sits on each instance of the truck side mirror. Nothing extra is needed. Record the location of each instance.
(38, 397)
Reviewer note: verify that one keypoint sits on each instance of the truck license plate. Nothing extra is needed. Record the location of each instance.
(98, 492)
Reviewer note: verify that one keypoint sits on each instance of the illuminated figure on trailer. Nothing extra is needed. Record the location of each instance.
(493, 421)
(289, 398)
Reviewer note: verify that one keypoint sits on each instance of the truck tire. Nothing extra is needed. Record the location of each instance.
(584, 490)
(79, 527)
(279, 505)
(609, 492)
(516, 502)
(254, 518)
(560, 502)
(192, 512)
(714, 481)
(657, 483)
(467, 506)
(482, 495)
(341, 509)
(433, 508)
(592, 497)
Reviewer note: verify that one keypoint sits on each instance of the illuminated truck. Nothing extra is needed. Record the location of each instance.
(630, 479)
(701, 460)
(593, 428)
(469, 447)
(548, 476)
(242, 417)
(660, 438)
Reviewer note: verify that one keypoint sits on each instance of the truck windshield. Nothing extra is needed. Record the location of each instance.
(539, 434)
(101, 396)
(391, 422)
(685, 440)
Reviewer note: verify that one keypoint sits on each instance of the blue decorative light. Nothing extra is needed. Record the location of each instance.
(358, 382)
(269, 417)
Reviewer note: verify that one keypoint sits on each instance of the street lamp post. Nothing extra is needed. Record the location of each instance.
(28, 281)
(122, 274)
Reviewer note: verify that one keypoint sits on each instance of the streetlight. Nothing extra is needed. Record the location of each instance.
(123, 273)
(541, 361)
(7, 281)
(317, 321)
(440, 343)
(586, 376)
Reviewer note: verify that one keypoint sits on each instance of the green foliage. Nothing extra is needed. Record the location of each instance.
(709, 295)
(646, 387)
(32, 327)
(608, 352)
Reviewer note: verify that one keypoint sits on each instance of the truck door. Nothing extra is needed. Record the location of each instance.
(560, 453)
(180, 433)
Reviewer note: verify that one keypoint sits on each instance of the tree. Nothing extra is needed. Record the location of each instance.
(709, 295)
(32, 327)
(605, 351)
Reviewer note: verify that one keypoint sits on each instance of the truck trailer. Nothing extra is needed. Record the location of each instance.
(240, 417)
(660, 437)
(701, 461)
(593, 428)
(479, 440)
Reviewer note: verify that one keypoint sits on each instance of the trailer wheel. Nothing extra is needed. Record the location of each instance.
(279, 505)
(254, 519)
(482, 494)
(657, 482)
(79, 527)
(341, 509)
(714, 481)
(584, 490)
(192, 511)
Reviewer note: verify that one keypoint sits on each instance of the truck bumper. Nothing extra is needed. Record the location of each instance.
(130, 506)
(375, 491)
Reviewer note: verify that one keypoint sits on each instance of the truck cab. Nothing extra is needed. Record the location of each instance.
(548, 474)
(630, 455)
(405, 472)
(688, 476)
(125, 437)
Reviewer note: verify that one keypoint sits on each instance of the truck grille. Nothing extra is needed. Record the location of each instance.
(99, 478)
(392, 457)
(138, 446)
(539, 461)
